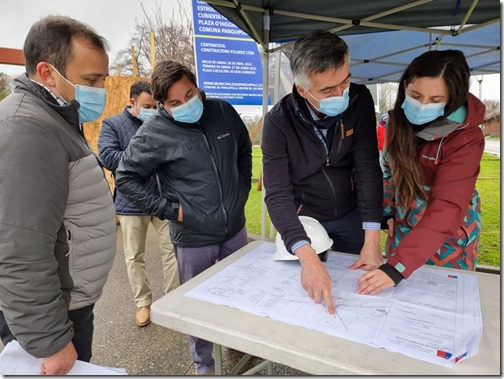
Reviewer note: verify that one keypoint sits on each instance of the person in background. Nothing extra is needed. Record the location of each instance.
(57, 218)
(320, 160)
(115, 135)
(431, 163)
(201, 152)
(380, 131)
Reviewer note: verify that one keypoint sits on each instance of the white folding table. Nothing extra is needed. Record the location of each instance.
(312, 351)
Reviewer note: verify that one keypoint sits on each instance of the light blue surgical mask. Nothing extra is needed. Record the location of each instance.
(91, 100)
(418, 113)
(146, 114)
(334, 105)
(189, 112)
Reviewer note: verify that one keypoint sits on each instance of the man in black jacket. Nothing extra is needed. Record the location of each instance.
(201, 152)
(320, 159)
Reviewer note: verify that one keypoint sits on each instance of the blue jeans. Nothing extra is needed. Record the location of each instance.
(346, 232)
(83, 331)
(192, 261)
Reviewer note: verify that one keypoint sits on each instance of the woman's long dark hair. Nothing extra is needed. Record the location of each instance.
(401, 146)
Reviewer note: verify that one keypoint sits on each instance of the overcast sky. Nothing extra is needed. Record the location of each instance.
(115, 19)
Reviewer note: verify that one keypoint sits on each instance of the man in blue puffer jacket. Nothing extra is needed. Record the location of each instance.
(115, 136)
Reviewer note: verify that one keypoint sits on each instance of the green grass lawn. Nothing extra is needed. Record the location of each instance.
(488, 186)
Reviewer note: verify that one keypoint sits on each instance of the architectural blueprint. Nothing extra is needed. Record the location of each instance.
(434, 315)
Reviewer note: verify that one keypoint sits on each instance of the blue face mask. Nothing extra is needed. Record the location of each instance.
(146, 114)
(91, 100)
(418, 113)
(333, 106)
(189, 112)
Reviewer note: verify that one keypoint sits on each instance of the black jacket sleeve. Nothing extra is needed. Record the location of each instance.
(138, 164)
(279, 197)
(109, 147)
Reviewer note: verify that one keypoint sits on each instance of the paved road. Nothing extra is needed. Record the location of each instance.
(492, 146)
(151, 350)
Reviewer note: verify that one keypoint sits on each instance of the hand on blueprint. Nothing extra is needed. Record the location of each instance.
(61, 362)
(373, 282)
(370, 254)
(314, 277)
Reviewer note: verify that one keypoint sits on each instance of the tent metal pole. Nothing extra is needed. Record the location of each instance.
(383, 14)
(345, 22)
(349, 22)
(468, 14)
(278, 58)
(479, 26)
(249, 24)
(276, 99)
(265, 64)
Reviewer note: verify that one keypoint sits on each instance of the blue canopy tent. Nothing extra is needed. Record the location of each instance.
(382, 57)
(383, 36)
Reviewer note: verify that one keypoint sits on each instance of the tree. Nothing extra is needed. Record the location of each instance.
(173, 40)
(5, 85)
(388, 94)
(492, 108)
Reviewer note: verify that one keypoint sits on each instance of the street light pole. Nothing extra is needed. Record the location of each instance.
(480, 86)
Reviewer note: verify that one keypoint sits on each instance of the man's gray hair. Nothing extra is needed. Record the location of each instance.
(316, 52)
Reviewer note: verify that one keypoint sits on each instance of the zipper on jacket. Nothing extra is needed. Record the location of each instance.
(436, 161)
(300, 115)
(216, 172)
(333, 192)
(319, 135)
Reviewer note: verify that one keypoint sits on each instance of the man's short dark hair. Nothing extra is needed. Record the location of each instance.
(51, 40)
(165, 74)
(138, 87)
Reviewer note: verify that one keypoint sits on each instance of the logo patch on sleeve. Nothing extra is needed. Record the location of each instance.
(399, 267)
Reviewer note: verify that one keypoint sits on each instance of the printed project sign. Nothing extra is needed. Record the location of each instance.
(228, 63)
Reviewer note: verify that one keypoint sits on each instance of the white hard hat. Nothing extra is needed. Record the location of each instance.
(320, 240)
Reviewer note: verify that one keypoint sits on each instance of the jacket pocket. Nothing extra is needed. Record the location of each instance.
(198, 219)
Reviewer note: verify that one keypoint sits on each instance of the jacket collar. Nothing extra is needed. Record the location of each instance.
(301, 110)
(442, 128)
(162, 111)
(438, 129)
(69, 112)
(128, 114)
